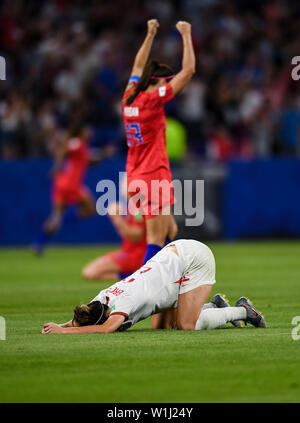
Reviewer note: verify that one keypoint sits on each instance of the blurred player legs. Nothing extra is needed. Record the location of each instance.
(70, 165)
(122, 263)
(63, 213)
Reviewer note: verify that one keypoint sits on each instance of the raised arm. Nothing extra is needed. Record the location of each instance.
(188, 58)
(143, 53)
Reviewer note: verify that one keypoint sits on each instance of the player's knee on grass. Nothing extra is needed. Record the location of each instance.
(157, 321)
(185, 325)
(164, 320)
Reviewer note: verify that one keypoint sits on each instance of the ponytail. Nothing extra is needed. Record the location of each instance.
(152, 69)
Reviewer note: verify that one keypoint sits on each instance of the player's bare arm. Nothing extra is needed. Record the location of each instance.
(144, 51)
(132, 233)
(188, 58)
(66, 325)
(109, 326)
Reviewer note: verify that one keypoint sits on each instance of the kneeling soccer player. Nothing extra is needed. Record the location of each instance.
(122, 263)
(180, 275)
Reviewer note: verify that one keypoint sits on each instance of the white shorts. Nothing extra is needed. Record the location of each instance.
(198, 263)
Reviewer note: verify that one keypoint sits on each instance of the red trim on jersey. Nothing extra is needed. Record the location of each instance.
(119, 312)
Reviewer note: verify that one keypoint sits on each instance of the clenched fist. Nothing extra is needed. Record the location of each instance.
(152, 26)
(184, 27)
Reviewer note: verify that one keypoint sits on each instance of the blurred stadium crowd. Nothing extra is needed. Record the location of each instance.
(66, 58)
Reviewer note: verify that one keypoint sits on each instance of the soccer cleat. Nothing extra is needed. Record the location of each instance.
(220, 301)
(253, 316)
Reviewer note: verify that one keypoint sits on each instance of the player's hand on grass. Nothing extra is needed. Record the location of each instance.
(152, 26)
(52, 328)
(184, 27)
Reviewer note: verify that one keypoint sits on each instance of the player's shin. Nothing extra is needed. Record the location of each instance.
(216, 318)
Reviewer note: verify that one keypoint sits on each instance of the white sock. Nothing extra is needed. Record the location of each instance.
(213, 318)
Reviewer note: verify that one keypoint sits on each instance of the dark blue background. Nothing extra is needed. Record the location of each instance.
(25, 189)
(261, 199)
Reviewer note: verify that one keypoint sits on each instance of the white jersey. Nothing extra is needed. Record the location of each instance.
(156, 285)
(151, 289)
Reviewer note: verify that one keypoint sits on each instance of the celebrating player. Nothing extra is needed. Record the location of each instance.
(71, 161)
(180, 276)
(119, 264)
(150, 86)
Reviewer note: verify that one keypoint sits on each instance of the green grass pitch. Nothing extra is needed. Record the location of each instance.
(141, 365)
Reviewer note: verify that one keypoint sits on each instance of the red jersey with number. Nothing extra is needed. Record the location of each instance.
(145, 125)
(147, 160)
(75, 165)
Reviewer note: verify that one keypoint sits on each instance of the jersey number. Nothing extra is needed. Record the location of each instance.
(141, 271)
(133, 133)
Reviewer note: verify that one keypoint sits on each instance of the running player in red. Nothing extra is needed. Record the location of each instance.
(70, 166)
(122, 263)
(150, 86)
